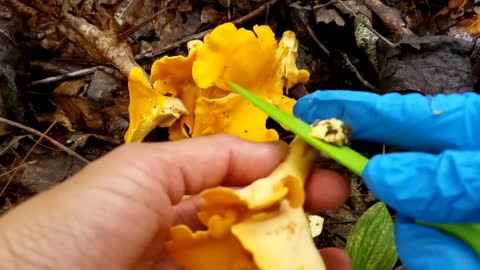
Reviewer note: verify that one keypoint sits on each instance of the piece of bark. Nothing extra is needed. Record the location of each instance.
(102, 46)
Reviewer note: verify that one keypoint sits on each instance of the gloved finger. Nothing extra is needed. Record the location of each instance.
(411, 121)
(432, 188)
(424, 248)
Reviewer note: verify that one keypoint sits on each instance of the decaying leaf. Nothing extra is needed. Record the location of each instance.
(390, 17)
(327, 15)
(430, 64)
(261, 226)
(102, 86)
(371, 243)
(252, 59)
(455, 6)
(12, 70)
(168, 27)
(76, 111)
(46, 168)
(211, 15)
(450, 14)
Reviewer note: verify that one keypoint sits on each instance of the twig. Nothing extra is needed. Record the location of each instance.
(312, 33)
(366, 24)
(14, 169)
(229, 9)
(357, 74)
(390, 17)
(135, 28)
(342, 222)
(173, 45)
(25, 159)
(297, 6)
(257, 12)
(325, 5)
(73, 74)
(200, 35)
(317, 6)
(38, 133)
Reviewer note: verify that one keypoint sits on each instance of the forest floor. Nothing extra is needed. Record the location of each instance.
(65, 97)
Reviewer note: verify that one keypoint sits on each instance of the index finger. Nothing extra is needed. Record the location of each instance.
(189, 167)
(411, 121)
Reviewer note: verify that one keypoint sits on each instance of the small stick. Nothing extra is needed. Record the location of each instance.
(312, 34)
(257, 12)
(135, 28)
(25, 159)
(325, 5)
(173, 45)
(38, 133)
(357, 74)
(69, 75)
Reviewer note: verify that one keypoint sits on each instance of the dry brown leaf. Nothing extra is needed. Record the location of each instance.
(449, 15)
(456, 4)
(328, 15)
(185, 6)
(79, 113)
(211, 15)
(390, 17)
(453, 6)
(103, 46)
(47, 168)
(470, 25)
(102, 86)
(116, 117)
(169, 27)
(70, 88)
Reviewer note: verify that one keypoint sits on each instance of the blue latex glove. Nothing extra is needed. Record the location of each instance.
(438, 181)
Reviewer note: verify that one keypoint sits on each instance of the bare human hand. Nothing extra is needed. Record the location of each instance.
(116, 213)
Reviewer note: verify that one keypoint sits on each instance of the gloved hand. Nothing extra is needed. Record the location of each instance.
(438, 181)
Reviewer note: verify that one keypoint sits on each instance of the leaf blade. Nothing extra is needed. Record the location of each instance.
(371, 243)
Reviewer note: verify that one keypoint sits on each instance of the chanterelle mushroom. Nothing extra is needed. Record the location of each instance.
(261, 226)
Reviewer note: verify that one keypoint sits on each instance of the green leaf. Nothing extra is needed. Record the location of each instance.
(371, 243)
